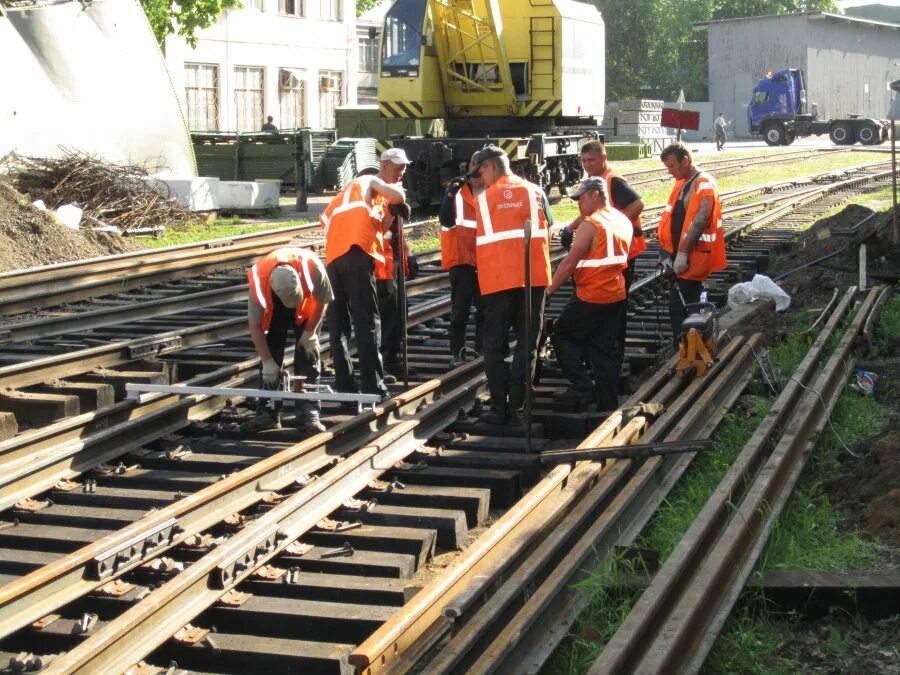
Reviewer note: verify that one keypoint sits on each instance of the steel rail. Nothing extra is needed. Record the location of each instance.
(35, 461)
(414, 629)
(628, 644)
(73, 575)
(689, 630)
(422, 412)
(519, 627)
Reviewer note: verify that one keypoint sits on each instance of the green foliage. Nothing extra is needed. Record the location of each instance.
(652, 49)
(366, 5)
(184, 16)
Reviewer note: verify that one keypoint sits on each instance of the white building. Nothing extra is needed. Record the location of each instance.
(368, 32)
(294, 60)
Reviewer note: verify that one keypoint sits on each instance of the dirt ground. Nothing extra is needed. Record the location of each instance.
(30, 237)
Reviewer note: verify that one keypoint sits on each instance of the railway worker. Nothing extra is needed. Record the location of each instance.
(504, 206)
(354, 225)
(690, 232)
(589, 323)
(720, 126)
(387, 275)
(289, 287)
(458, 224)
(621, 196)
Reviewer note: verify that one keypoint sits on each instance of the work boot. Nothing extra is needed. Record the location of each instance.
(389, 379)
(264, 420)
(308, 422)
(515, 418)
(495, 417)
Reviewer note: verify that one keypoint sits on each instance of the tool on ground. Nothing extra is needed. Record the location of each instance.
(526, 334)
(342, 551)
(638, 451)
(698, 342)
(312, 392)
(402, 298)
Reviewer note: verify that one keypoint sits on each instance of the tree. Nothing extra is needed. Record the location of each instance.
(184, 16)
(652, 49)
(366, 5)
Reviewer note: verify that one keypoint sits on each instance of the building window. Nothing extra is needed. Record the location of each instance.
(291, 7)
(330, 10)
(248, 98)
(292, 98)
(331, 95)
(368, 54)
(202, 96)
(258, 5)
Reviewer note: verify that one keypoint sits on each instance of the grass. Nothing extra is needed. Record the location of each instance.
(219, 228)
(810, 534)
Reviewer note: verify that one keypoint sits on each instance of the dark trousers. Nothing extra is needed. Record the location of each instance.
(690, 290)
(389, 309)
(355, 305)
(720, 140)
(276, 338)
(628, 273)
(592, 328)
(504, 310)
(463, 294)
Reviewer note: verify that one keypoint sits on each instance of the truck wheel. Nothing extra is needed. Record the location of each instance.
(774, 134)
(869, 134)
(789, 138)
(842, 134)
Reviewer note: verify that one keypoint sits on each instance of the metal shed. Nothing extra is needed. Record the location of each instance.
(849, 62)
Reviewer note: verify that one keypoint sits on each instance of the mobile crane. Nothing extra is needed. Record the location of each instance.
(526, 75)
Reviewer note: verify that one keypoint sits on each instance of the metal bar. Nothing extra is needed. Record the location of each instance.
(136, 392)
(636, 451)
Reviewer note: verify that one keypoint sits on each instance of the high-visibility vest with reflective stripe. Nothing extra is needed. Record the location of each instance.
(708, 255)
(502, 211)
(458, 242)
(598, 276)
(348, 221)
(304, 262)
(638, 245)
(384, 267)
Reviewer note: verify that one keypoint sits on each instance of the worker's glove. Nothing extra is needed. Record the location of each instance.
(271, 373)
(681, 263)
(401, 210)
(412, 267)
(565, 238)
(666, 265)
(309, 344)
(455, 184)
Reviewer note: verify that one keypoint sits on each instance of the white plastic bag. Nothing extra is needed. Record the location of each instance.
(69, 215)
(761, 287)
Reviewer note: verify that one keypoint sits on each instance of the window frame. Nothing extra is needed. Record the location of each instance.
(299, 9)
(261, 92)
(212, 123)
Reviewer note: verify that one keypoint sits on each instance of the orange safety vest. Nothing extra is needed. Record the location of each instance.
(638, 245)
(708, 255)
(349, 221)
(502, 211)
(384, 268)
(304, 262)
(598, 276)
(458, 242)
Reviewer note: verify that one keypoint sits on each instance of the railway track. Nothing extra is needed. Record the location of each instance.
(94, 514)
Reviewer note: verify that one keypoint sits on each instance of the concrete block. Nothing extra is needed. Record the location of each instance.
(91, 395)
(119, 378)
(194, 193)
(640, 117)
(640, 104)
(38, 408)
(241, 195)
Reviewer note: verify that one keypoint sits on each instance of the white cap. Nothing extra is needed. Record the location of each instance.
(395, 155)
(285, 283)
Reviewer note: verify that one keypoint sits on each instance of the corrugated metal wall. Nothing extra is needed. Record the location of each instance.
(839, 58)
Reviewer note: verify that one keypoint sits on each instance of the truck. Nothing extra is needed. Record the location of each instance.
(525, 76)
(778, 110)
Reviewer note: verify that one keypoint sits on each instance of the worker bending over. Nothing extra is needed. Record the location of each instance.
(690, 232)
(289, 287)
(354, 228)
(621, 196)
(504, 206)
(590, 322)
(458, 225)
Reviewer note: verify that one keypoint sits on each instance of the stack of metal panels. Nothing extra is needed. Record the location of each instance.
(345, 158)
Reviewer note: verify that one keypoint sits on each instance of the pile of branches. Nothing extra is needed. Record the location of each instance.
(109, 194)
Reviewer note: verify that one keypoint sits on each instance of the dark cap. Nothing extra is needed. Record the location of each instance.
(480, 157)
(589, 184)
